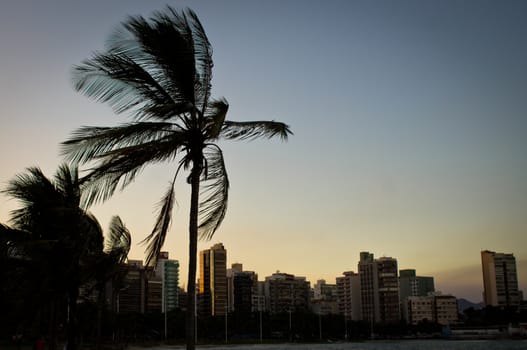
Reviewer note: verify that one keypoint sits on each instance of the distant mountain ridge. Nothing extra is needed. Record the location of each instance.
(464, 304)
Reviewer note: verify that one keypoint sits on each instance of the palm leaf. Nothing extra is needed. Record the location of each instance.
(254, 129)
(203, 60)
(215, 116)
(119, 240)
(140, 71)
(67, 183)
(214, 193)
(90, 142)
(36, 194)
(120, 166)
(155, 240)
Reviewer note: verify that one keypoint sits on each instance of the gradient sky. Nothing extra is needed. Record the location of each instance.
(409, 118)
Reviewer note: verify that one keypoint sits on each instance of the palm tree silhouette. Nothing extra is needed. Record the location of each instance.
(159, 70)
(60, 238)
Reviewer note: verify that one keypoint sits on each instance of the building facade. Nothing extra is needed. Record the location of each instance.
(286, 293)
(368, 285)
(131, 293)
(500, 279)
(245, 285)
(325, 298)
(348, 295)
(168, 271)
(213, 281)
(379, 288)
(437, 308)
(411, 285)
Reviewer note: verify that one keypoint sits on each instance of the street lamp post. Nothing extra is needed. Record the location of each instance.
(320, 324)
(226, 313)
(164, 291)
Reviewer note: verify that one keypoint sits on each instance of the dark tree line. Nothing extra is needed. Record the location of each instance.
(54, 255)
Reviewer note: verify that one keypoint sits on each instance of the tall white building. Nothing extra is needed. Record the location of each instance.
(348, 295)
(500, 279)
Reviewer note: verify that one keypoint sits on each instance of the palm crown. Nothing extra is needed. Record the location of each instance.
(160, 71)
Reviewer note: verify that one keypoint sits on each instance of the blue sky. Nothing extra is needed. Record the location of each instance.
(409, 121)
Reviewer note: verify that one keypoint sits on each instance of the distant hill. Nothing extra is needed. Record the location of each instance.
(464, 304)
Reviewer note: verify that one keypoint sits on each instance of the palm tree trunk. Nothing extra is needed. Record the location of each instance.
(52, 325)
(193, 250)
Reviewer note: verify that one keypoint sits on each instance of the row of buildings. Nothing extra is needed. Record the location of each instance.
(377, 292)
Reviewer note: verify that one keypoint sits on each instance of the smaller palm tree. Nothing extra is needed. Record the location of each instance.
(62, 238)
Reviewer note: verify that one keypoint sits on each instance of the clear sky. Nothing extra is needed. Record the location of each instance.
(410, 122)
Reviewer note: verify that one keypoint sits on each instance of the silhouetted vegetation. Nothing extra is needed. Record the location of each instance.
(492, 315)
(52, 251)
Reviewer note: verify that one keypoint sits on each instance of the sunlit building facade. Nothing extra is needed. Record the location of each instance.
(379, 288)
(348, 295)
(500, 279)
(213, 281)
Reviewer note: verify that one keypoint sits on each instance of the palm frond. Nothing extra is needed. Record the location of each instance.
(89, 142)
(148, 67)
(163, 47)
(128, 84)
(119, 240)
(35, 193)
(215, 193)
(254, 129)
(215, 117)
(66, 181)
(120, 166)
(203, 60)
(155, 240)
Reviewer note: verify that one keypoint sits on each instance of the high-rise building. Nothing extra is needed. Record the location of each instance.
(213, 281)
(286, 293)
(388, 295)
(235, 268)
(131, 295)
(154, 294)
(168, 271)
(411, 285)
(500, 280)
(368, 284)
(379, 288)
(245, 285)
(348, 295)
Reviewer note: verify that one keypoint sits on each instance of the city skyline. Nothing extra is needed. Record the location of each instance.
(426, 281)
(408, 118)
